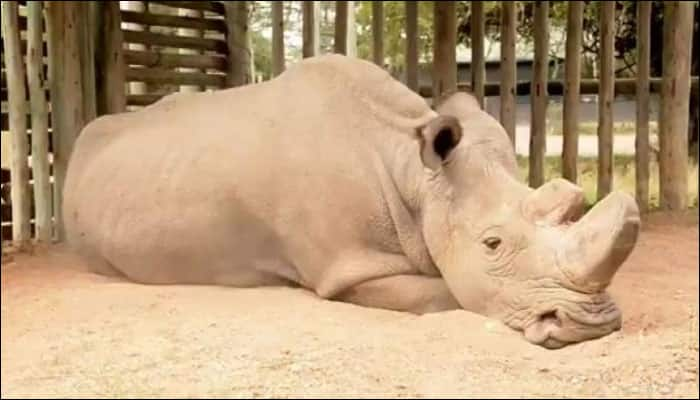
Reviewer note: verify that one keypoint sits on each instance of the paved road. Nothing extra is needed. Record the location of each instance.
(587, 144)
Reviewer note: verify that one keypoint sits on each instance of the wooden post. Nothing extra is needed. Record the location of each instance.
(378, 33)
(351, 46)
(277, 37)
(478, 64)
(111, 70)
(444, 48)
(412, 45)
(341, 27)
(641, 143)
(188, 32)
(675, 93)
(572, 89)
(538, 121)
(87, 60)
(17, 102)
(606, 97)
(68, 115)
(252, 72)
(239, 72)
(40, 122)
(310, 28)
(508, 68)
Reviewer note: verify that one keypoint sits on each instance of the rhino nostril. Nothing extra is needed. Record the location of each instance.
(550, 317)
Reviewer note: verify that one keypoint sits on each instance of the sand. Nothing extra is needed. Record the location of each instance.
(66, 332)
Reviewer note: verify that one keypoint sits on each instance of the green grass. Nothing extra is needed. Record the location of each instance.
(591, 128)
(623, 177)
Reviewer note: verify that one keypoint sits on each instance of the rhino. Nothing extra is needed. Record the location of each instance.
(337, 178)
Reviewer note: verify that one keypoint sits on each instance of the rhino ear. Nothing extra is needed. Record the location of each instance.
(437, 139)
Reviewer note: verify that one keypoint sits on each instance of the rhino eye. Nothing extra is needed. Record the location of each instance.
(492, 242)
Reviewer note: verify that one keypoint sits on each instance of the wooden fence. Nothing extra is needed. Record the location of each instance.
(104, 59)
(107, 59)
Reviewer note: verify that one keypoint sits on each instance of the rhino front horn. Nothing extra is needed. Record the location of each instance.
(596, 246)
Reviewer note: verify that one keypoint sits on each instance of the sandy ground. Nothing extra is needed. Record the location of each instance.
(69, 333)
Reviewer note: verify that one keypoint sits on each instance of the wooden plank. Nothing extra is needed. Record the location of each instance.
(30, 176)
(340, 42)
(65, 71)
(168, 60)
(7, 208)
(277, 37)
(412, 45)
(606, 96)
(478, 62)
(538, 121)
(40, 123)
(508, 68)
(110, 72)
(174, 21)
(23, 47)
(623, 86)
(444, 48)
(158, 76)
(641, 142)
(7, 230)
(157, 39)
(238, 42)
(17, 98)
(378, 32)
(5, 123)
(211, 6)
(673, 117)
(310, 28)
(144, 99)
(572, 96)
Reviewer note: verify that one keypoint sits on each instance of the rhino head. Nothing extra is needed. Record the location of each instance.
(527, 257)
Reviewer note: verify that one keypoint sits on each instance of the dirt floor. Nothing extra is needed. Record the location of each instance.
(69, 333)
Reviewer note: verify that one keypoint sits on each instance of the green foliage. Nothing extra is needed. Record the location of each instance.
(394, 31)
(395, 37)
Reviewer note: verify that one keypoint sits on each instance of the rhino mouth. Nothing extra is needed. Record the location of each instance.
(574, 323)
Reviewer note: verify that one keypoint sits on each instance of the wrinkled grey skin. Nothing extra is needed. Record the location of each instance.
(337, 178)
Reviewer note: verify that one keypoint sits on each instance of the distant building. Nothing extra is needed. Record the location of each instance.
(493, 72)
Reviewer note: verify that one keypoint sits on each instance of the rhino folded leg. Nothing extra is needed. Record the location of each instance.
(412, 293)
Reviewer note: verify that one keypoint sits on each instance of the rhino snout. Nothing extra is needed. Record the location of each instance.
(575, 323)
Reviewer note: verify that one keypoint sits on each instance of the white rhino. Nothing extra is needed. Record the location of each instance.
(337, 178)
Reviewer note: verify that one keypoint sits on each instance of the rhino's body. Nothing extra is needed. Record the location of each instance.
(256, 186)
(313, 179)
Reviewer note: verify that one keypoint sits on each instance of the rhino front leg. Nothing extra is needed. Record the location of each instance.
(417, 294)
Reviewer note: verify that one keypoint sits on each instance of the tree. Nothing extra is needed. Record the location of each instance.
(394, 32)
